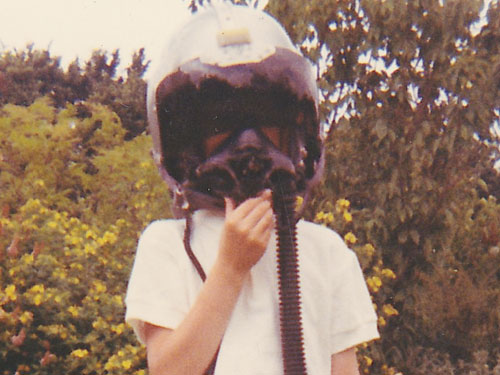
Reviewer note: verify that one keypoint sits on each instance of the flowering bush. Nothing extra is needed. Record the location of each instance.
(74, 199)
(61, 296)
(378, 279)
(76, 195)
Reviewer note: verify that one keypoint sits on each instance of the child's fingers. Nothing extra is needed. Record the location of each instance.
(229, 205)
(249, 205)
(265, 225)
(256, 214)
(266, 194)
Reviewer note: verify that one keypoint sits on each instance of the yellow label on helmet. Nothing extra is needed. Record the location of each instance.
(233, 37)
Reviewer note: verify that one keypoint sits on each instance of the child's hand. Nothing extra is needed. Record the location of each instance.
(246, 232)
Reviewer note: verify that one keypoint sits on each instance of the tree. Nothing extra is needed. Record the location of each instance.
(126, 97)
(28, 75)
(411, 94)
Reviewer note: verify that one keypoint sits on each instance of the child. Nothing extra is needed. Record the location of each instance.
(233, 114)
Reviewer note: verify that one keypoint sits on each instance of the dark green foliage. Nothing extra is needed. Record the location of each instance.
(411, 96)
(28, 75)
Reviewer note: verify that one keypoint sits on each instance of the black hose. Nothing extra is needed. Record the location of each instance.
(292, 341)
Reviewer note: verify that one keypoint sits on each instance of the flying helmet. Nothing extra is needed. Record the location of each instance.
(227, 69)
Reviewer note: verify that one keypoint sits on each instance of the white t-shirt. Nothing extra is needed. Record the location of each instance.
(337, 311)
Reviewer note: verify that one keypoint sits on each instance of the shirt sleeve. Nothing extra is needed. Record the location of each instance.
(353, 320)
(154, 294)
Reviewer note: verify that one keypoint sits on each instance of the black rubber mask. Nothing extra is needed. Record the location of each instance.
(242, 167)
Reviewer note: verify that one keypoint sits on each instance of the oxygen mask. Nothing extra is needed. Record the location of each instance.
(242, 166)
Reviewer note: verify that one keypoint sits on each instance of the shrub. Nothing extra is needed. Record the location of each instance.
(74, 200)
(379, 279)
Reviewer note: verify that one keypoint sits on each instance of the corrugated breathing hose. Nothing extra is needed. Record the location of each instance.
(292, 341)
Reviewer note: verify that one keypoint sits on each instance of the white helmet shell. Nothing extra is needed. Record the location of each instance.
(213, 42)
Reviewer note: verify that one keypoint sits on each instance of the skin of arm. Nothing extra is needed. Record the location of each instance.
(345, 363)
(190, 348)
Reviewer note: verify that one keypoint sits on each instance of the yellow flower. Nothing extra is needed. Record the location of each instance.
(319, 216)
(39, 182)
(108, 366)
(99, 287)
(88, 249)
(118, 299)
(96, 324)
(138, 205)
(73, 310)
(347, 217)
(389, 310)
(370, 250)
(350, 238)
(59, 273)
(342, 205)
(109, 237)
(388, 273)
(80, 353)
(38, 288)
(126, 364)
(368, 360)
(78, 266)
(38, 299)
(52, 224)
(139, 184)
(299, 201)
(374, 283)
(26, 317)
(118, 329)
(132, 349)
(120, 222)
(381, 321)
(27, 259)
(74, 240)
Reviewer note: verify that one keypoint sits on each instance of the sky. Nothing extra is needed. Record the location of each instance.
(70, 28)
